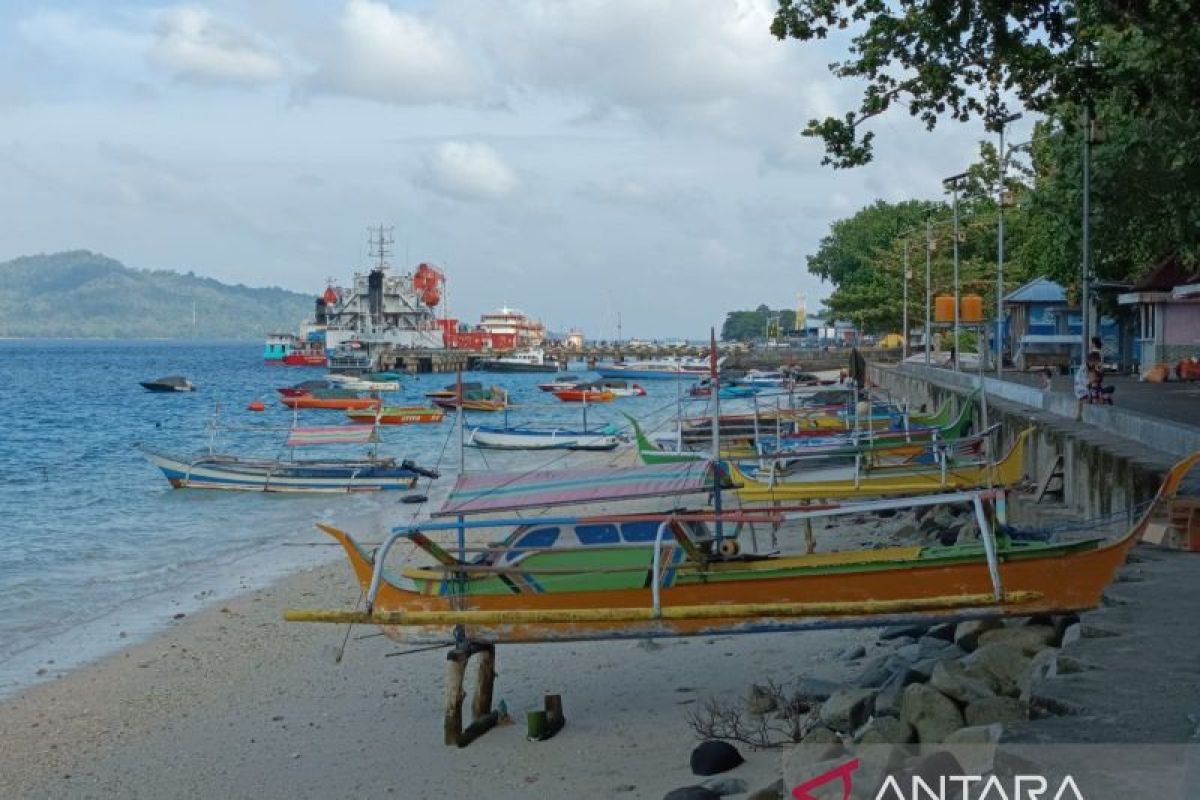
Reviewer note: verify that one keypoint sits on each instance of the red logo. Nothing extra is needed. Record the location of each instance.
(844, 772)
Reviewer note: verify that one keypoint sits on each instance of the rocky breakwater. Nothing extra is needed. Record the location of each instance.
(930, 688)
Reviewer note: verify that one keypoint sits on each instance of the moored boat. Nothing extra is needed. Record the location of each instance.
(339, 399)
(561, 382)
(617, 387)
(290, 475)
(542, 438)
(671, 367)
(494, 398)
(169, 383)
(531, 359)
(397, 415)
(585, 393)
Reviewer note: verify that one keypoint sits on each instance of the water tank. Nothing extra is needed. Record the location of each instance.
(972, 308)
(943, 309)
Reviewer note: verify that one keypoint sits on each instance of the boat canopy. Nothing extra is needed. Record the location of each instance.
(339, 434)
(515, 491)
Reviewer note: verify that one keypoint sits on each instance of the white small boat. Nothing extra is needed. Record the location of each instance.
(561, 382)
(542, 438)
(619, 388)
(355, 384)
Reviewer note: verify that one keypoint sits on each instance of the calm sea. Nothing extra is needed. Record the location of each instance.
(96, 549)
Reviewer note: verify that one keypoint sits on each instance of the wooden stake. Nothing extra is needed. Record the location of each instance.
(456, 666)
(481, 704)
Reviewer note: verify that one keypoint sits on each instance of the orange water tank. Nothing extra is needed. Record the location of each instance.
(943, 309)
(972, 308)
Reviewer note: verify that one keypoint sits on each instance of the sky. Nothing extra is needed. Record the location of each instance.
(578, 159)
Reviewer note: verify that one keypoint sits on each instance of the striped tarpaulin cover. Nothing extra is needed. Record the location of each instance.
(340, 434)
(512, 491)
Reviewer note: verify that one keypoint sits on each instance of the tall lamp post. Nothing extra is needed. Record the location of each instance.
(953, 183)
(1002, 158)
(907, 278)
(928, 289)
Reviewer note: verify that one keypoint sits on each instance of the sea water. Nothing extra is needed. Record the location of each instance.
(96, 548)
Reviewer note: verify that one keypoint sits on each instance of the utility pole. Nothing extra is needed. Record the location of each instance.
(953, 182)
(928, 289)
(907, 276)
(1002, 166)
(1085, 298)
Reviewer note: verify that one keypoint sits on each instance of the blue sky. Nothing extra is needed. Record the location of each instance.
(575, 158)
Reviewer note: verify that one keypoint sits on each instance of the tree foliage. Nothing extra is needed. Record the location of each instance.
(973, 59)
(747, 326)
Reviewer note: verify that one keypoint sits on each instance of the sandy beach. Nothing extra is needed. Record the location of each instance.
(233, 702)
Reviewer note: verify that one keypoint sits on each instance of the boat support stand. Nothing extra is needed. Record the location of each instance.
(484, 717)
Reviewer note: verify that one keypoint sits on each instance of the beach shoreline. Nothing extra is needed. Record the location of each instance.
(231, 701)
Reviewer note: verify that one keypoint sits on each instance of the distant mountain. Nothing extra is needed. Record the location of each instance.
(87, 295)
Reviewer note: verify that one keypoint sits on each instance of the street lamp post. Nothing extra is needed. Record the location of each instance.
(953, 183)
(1085, 299)
(907, 278)
(928, 287)
(1002, 164)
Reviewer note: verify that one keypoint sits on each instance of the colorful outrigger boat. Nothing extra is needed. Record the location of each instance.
(473, 399)
(396, 415)
(332, 399)
(585, 394)
(520, 438)
(291, 475)
(688, 581)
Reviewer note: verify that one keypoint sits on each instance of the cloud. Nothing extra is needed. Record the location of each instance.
(66, 36)
(470, 171)
(396, 57)
(192, 44)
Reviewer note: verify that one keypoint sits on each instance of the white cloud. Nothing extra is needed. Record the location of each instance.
(191, 43)
(471, 171)
(396, 57)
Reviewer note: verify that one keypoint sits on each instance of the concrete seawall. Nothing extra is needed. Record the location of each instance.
(1113, 461)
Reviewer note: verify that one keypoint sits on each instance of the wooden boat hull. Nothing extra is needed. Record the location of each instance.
(888, 483)
(583, 396)
(541, 439)
(605, 594)
(234, 474)
(397, 415)
(452, 403)
(332, 403)
(824, 596)
(304, 360)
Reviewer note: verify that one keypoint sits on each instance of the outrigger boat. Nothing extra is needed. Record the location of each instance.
(217, 471)
(472, 399)
(396, 415)
(863, 480)
(585, 393)
(304, 387)
(687, 582)
(561, 382)
(542, 438)
(617, 388)
(335, 399)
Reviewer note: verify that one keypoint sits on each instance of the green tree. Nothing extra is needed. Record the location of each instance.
(972, 58)
(748, 326)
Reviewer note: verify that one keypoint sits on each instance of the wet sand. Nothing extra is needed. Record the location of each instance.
(233, 702)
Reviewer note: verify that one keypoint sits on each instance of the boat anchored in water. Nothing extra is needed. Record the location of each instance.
(532, 359)
(170, 383)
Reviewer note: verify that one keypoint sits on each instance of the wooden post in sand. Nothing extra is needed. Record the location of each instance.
(483, 717)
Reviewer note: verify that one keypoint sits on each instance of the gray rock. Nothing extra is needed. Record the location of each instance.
(773, 792)
(691, 793)
(991, 710)
(924, 667)
(909, 652)
(725, 786)
(885, 730)
(829, 744)
(967, 634)
(712, 757)
(848, 709)
(1089, 631)
(1028, 638)
(890, 699)
(907, 532)
(951, 679)
(896, 631)
(1071, 634)
(1042, 667)
(815, 689)
(760, 700)
(852, 653)
(1001, 664)
(979, 734)
(1070, 665)
(877, 670)
(931, 713)
(943, 631)
(931, 646)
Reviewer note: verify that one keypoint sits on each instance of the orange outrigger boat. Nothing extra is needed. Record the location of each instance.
(335, 402)
(688, 580)
(397, 415)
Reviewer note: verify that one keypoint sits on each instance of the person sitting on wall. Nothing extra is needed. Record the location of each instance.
(1097, 391)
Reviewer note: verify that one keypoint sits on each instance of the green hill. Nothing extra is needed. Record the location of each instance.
(87, 295)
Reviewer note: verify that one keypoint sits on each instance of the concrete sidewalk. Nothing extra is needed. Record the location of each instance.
(1174, 401)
